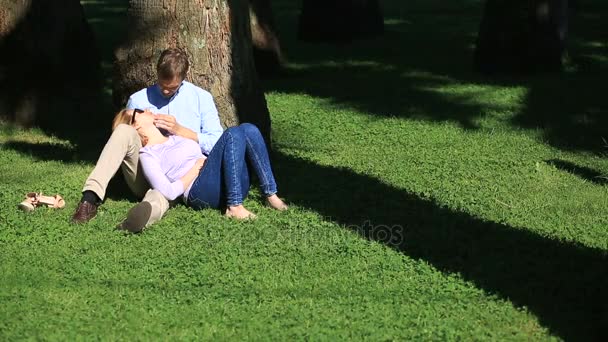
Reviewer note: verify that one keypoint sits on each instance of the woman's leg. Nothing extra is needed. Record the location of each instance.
(257, 153)
(224, 179)
(232, 165)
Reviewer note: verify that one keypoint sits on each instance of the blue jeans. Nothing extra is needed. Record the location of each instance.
(224, 180)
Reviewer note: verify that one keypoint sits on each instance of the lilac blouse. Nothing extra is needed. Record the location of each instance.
(164, 164)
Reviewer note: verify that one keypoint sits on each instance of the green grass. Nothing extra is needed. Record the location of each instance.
(428, 202)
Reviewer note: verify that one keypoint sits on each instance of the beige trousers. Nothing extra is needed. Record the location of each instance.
(122, 151)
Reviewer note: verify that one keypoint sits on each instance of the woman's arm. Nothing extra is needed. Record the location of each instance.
(157, 178)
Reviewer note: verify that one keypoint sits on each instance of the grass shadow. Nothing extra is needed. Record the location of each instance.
(44, 151)
(396, 75)
(562, 283)
(571, 109)
(585, 173)
(427, 51)
(117, 188)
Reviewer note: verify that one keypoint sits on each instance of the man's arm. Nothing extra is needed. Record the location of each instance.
(211, 129)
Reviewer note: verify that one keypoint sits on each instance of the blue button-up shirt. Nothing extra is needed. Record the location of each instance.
(191, 106)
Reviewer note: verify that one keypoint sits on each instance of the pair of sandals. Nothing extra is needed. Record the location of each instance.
(34, 200)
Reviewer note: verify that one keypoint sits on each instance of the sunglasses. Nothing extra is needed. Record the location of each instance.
(135, 111)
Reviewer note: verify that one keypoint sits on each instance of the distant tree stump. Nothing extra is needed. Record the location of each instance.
(339, 20)
(522, 36)
(267, 52)
(49, 65)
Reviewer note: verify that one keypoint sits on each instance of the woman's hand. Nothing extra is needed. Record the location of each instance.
(200, 162)
(191, 175)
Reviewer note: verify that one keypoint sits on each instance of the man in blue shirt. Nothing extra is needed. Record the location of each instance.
(181, 109)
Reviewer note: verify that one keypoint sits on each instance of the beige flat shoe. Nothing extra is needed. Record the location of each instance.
(28, 203)
(36, 199)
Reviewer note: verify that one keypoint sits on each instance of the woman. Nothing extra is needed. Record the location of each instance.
(176, 167)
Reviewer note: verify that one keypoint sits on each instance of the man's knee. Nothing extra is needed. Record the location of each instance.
(124, 131)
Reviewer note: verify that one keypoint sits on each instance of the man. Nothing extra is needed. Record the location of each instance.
(187, 111)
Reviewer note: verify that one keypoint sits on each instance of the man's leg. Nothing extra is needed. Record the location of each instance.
(153, 205)
(122, 149)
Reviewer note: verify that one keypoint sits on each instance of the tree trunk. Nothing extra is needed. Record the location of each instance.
(339, 20)
(49, 65)
(215, 34)
(522, 36)
(266, 48)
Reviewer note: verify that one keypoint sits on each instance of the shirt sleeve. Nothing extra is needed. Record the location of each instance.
(130, 104)
(158, 180)
(211, 129)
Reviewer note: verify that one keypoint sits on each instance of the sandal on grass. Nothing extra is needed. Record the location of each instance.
(36, 199)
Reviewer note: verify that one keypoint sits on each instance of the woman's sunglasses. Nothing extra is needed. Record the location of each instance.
(135, 111)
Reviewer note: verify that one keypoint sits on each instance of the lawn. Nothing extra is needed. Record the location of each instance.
(427, 202)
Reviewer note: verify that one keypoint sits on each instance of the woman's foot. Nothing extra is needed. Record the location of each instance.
(239, 212)
(276, 203)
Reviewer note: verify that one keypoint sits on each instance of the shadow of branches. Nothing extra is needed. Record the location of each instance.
(49, 70)
(583, 172)
(428, 48)
(563, 283)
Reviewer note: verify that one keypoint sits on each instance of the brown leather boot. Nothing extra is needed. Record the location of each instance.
(84, 213)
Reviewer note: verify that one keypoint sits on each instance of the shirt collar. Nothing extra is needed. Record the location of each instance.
(168, 99)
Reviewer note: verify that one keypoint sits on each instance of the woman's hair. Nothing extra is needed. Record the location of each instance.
(122, 117)
(172, 63)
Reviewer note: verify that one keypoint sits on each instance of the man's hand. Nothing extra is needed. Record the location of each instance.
(168, 123)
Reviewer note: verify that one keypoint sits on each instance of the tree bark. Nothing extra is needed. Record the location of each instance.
(339, 20)
(522, 36)
(49, 65)
(266, 47)
(215, 34)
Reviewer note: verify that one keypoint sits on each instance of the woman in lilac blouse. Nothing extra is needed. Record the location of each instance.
(176, 167)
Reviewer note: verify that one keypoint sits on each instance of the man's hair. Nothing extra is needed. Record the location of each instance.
(172, 63)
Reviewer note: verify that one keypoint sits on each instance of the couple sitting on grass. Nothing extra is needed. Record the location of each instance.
(184, 153)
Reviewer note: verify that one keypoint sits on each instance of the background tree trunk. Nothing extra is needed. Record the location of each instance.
(49, 65)
(339, 20)
(266, 47)
(217, 38)
(522, 36)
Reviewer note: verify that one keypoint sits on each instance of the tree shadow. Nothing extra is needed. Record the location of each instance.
(44, 151)
(571, 108)
(66, 154)
(563, 283)
(397, 75)
(427, 52)
(585, 173)
(50, 71)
